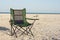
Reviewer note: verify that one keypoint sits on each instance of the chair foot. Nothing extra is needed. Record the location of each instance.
(16, 36)
(12, 34)
(32, 35)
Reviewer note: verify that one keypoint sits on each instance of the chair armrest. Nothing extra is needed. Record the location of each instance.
(31, 19)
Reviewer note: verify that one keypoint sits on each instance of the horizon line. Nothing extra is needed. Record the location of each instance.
(31, 12)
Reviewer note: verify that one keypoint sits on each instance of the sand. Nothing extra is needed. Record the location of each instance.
(46, 28)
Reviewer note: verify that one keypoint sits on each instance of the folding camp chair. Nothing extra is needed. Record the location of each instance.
(18, 19)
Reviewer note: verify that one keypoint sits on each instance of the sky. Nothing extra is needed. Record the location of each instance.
(40, 6)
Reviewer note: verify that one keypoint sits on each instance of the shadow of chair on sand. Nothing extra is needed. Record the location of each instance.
(4, 30)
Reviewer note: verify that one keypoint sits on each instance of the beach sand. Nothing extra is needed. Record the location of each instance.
(46, 28)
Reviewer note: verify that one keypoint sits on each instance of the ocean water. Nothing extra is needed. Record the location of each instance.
(4, 12)
(28, 13)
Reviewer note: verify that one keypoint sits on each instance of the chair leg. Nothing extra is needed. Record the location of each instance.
(31, 32)
(15, 32)
(21, 31)
(11, 30)
(29, 28)
(28, 31)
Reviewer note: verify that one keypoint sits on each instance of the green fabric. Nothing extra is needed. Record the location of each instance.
(12, 13)
(25, 24)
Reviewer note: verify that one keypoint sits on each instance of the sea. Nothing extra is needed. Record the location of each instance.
(29, 13)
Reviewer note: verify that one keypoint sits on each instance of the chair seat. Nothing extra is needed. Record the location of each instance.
(18, 21)
(23, 24)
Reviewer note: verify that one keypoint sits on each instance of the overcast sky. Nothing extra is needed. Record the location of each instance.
(44, 6)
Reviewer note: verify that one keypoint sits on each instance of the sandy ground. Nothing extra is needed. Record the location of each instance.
(46, 28)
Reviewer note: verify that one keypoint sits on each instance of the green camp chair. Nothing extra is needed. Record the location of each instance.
(18, 19)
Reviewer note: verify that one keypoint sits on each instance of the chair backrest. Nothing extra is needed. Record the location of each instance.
(18, 16)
